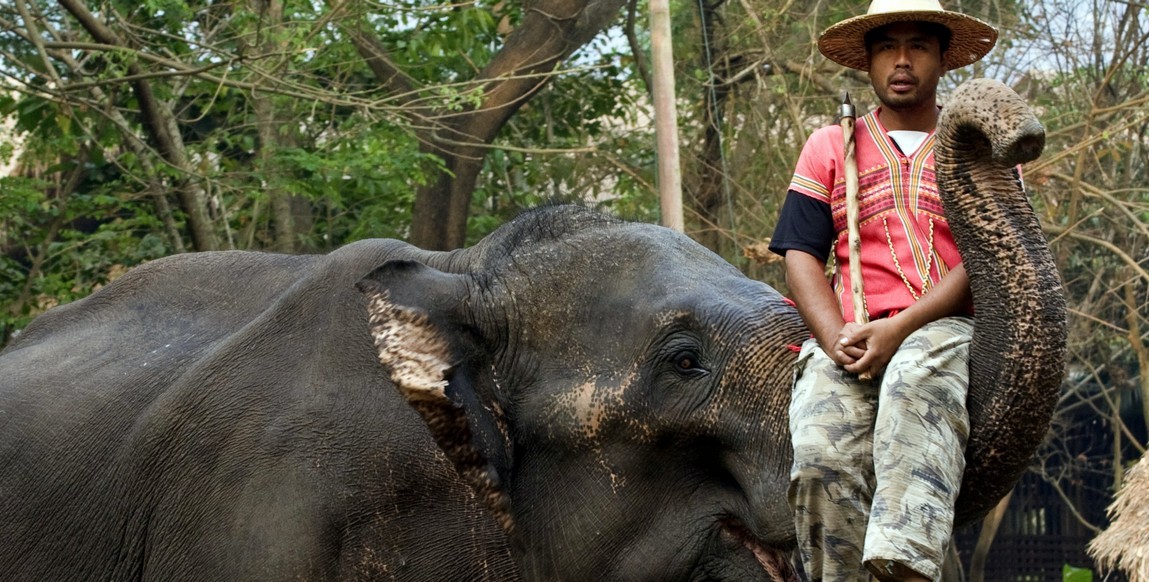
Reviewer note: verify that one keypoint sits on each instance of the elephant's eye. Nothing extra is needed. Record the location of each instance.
(687, 362)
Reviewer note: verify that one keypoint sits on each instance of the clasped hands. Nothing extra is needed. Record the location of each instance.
(866, 348)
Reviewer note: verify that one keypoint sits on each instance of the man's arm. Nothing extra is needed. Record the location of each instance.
(806, 277)
(882, 337)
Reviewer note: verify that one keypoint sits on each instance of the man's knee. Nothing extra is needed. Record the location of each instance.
(829, 465)
(939, 344)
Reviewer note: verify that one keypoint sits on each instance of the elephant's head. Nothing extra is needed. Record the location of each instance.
(616, 392)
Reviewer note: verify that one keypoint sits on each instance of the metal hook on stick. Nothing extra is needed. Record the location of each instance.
(846, 120)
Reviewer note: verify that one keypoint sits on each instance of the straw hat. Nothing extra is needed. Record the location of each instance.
(844, 43)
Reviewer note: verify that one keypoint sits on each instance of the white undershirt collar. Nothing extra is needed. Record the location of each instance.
(908, 141)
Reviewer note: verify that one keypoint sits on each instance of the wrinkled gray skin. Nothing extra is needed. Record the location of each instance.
(574, 398)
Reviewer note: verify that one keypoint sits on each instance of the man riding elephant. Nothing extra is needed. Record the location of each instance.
(878, 463)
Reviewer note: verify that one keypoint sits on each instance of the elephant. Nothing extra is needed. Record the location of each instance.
(574, 397)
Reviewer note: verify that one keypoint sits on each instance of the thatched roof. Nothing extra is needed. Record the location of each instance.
(1125, 544)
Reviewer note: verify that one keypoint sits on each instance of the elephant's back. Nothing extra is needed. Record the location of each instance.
(227, 394)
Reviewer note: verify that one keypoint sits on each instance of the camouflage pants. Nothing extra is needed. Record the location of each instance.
(877, 466)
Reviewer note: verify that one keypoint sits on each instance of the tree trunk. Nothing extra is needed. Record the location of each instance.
(285, 236)
(709, 197)
(161, 127)
(665, 117)
(439, 216)
(550, 31)
(989, 527)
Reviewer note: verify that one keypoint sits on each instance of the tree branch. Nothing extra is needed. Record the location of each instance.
(1125, 258)
(160, 125)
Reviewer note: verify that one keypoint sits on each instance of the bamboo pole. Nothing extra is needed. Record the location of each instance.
(665, 116)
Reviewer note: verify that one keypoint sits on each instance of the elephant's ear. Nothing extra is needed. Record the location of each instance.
(436, 360)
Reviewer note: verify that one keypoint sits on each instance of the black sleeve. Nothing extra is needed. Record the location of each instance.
(805, 224)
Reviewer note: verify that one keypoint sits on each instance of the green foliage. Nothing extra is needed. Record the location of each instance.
(1072, 574)
(443, 43)
(96, 193)
(362, 183)
(592, 112)
(61, 246)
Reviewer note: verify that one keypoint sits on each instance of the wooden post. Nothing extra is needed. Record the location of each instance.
(665, 116)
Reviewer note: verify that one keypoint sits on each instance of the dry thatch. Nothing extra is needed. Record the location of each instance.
(1125, 544)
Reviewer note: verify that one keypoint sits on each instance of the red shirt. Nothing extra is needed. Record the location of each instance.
(906, 242)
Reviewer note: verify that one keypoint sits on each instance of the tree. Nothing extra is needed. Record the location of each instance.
(1094, 187)
(459, 131)
(269, 124)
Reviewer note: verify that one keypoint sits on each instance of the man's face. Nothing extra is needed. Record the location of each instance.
(905, 65)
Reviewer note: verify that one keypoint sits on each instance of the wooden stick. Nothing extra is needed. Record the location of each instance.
(665, 117)
(854, 236)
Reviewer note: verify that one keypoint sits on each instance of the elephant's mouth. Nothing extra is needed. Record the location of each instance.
(773, 560)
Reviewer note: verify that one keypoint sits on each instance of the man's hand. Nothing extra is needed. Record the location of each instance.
(870, 346)
(880, 338)
(846, 349)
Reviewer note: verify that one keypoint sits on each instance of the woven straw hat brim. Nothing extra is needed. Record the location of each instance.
(845, 44)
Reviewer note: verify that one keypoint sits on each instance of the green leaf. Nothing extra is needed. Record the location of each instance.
(1073, 574)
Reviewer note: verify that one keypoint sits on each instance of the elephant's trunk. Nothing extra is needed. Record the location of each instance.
(1017, 357)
